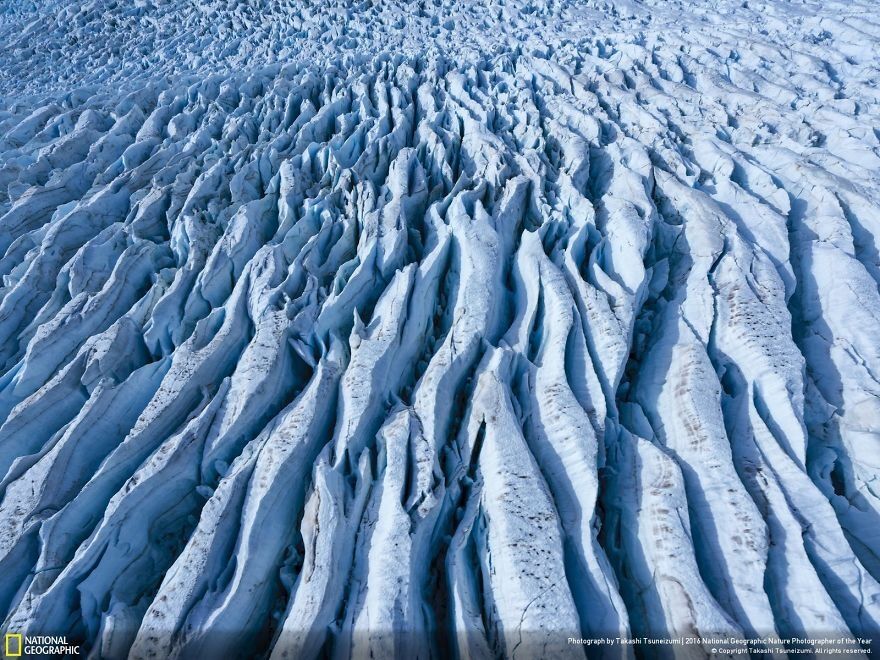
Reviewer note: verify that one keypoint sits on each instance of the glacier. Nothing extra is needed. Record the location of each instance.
(440, 328)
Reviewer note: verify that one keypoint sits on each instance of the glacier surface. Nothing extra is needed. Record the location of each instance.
(440, 328)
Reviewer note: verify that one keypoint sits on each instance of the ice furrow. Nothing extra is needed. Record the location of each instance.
(435, 329)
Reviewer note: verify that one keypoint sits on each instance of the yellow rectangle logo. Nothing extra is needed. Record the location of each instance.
(14, 643)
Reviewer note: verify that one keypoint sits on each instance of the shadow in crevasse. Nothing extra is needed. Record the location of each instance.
(829, 457)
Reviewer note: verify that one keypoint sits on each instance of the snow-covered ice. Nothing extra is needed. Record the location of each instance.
(445, 328)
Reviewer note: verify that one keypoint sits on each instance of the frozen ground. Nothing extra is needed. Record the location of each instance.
(435, 329)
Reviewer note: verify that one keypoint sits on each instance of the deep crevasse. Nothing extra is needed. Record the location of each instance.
(433, 352)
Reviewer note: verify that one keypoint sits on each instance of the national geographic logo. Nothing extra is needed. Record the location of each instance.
(17, 645)
(14, 643)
